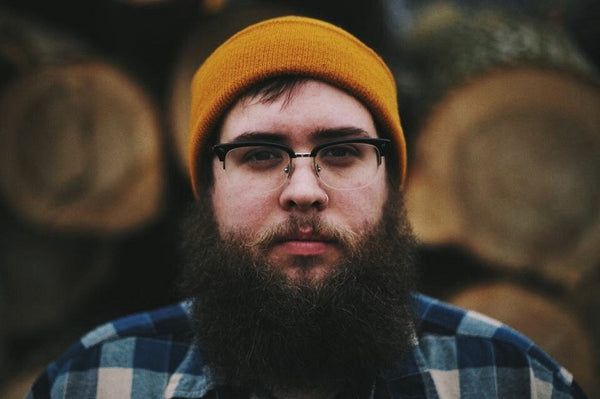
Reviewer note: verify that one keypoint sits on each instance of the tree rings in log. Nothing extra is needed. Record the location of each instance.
(507, 165)
(80, 149)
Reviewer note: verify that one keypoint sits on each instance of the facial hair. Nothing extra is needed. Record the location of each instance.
(261, 332)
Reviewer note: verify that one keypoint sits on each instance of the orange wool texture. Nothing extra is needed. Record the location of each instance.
(291, 45)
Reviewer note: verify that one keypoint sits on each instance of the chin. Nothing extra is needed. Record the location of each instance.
(308, 275)
(305, 269)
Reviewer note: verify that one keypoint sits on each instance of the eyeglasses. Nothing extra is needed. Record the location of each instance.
(343, 164)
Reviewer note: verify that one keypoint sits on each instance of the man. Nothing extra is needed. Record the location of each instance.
(298, 255)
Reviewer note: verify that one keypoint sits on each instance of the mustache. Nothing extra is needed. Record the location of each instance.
(307, 227)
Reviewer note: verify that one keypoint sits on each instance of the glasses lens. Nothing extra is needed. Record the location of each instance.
(262, 167)
(348, 165)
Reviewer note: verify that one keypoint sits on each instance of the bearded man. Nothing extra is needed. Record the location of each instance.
(299, 261)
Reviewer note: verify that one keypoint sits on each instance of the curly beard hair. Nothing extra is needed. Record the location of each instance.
(262, 333)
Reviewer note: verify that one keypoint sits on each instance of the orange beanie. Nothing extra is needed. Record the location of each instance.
(284, 46)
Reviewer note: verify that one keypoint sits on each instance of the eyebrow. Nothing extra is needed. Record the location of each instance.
(322, 134)
(260, 136)
(338, 133)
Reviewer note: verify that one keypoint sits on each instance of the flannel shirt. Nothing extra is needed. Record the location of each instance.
(457, 354)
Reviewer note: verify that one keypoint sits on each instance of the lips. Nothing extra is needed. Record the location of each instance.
(304, 243)
(304, 234)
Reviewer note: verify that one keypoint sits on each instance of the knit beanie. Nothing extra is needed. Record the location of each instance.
(291, 45)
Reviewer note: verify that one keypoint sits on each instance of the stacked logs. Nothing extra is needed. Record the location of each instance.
(81, 166)
(505, 168)
(80, 142)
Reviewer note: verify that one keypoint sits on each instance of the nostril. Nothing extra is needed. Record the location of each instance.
(303, 191)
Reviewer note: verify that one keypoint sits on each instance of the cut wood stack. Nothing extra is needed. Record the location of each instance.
(80, 149)
(505, 166)
(506, 160)
(81, 167)
(80, 142)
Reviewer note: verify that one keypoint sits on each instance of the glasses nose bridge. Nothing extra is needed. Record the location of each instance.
(303, 155)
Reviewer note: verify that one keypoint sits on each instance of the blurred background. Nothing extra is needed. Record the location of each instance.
(500, 101)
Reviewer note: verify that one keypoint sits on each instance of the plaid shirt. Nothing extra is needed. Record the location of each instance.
(458, 353)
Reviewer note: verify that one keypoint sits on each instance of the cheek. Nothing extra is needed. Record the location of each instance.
(237, 209)
(360, 209)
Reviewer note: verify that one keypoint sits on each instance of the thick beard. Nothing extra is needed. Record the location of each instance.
(262, 333)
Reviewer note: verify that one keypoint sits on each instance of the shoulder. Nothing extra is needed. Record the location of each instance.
(161, 327)
(468, 350)
(141, 348)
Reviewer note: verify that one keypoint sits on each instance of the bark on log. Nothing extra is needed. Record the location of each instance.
(26, 44)
(447, 45)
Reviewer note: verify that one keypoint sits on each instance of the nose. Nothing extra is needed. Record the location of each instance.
(302, 190)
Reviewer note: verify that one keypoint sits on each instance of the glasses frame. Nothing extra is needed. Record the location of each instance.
(382, 145)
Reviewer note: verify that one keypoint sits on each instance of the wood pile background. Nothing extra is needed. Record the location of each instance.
(504, 173)
(93, 119)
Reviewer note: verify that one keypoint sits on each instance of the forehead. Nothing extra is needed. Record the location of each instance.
(311, 109)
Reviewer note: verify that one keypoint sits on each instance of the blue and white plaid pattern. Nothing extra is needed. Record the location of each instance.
(457, 353)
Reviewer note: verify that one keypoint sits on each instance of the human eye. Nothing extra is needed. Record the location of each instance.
(261, 157)
(340, 154)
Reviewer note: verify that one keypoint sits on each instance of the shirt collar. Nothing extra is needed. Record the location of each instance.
(192, 379)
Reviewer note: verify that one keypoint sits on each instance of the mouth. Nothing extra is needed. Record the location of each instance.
(303, 243)
(304, 253)
(304, 248)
